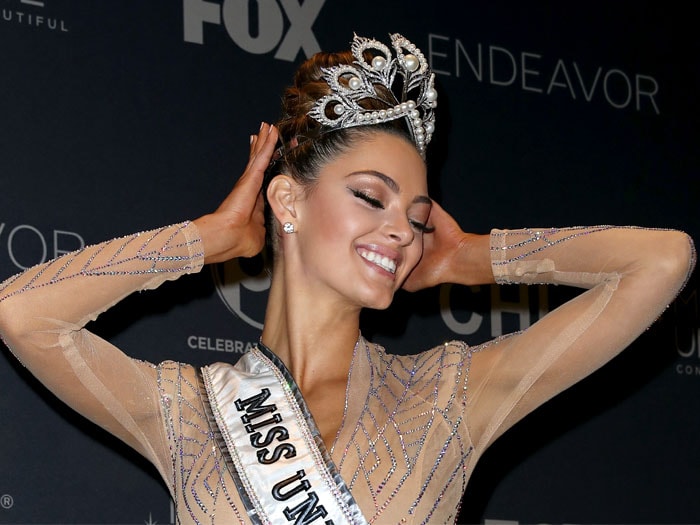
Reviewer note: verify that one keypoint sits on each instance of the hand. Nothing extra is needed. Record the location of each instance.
(450, 255)
(237, 227)
(439, 247)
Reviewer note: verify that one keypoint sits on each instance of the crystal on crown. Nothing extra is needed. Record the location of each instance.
(412, 97)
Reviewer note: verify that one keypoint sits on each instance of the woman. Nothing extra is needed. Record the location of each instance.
(318, 425)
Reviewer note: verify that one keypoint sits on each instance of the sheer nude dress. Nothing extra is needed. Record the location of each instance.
(414, 426)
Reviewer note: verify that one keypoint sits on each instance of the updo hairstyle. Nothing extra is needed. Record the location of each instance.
(306, 145)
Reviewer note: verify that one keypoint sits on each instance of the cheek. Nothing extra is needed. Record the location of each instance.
(336, 217)
(418, 247)
(328, 223)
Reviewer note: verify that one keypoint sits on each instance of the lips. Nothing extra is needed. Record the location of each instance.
(385, 262)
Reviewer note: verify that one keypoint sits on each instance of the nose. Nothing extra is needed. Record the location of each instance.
(399, 230)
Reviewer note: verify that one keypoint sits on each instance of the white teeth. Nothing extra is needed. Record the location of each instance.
(382, 261)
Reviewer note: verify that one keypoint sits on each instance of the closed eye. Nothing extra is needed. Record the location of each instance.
(423, 228)
(375, 203)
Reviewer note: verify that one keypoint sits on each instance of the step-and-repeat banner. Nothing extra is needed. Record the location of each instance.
(125, 115)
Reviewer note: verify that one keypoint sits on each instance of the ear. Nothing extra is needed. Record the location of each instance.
(283, 193)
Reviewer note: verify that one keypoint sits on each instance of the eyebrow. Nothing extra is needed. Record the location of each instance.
(392, 184)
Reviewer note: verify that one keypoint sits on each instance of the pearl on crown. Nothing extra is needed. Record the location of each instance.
(379, 63)
(411, 62)
(352, 83)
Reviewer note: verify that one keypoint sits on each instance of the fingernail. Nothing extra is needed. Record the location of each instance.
(252, 138)
(270, 130)
(261, 125)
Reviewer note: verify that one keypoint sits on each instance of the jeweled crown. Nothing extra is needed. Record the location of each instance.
(412, 96)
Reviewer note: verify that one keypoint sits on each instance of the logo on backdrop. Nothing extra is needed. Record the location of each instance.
(34, 14)
(546, 75)
(242, 285)
(26, 246)
(523, 306)
(267, 18)
(6, 501)
(687, 332)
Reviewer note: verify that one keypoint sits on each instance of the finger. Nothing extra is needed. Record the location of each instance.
(434, 211)
(265, 148)
(255, 144)
(270, 134)
(259, 137)
(439, 218)
(262, 148)
(253, 140)
(263, 137)
(260, 143)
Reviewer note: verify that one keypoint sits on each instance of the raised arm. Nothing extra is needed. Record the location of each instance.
(43, 311)
(631, 275)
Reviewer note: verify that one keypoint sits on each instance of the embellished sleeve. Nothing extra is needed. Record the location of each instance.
(43, 312)
(630, 275)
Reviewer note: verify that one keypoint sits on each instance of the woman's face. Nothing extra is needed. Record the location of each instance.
(360, 227)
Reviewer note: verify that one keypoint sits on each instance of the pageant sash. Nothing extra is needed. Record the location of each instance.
(279, 462)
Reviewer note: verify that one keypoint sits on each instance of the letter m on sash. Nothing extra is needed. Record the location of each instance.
(254, 407)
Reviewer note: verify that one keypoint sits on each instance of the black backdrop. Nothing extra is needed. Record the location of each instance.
(122, 116)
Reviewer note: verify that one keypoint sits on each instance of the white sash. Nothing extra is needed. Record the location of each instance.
(280, 464)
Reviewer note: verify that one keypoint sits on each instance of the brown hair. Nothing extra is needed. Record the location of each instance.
(306, 145)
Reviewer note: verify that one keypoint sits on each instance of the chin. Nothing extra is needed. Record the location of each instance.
(378, 307)
(378, 303)
(375, 296)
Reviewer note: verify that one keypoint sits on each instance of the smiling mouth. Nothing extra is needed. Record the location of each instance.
(384, 262)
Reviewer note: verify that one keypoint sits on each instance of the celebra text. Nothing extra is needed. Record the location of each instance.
(264, 425)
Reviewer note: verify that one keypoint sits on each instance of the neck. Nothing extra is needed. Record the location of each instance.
(313, 336)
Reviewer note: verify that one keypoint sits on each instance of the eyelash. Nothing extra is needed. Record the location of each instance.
(423, 228)
(376, 203)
